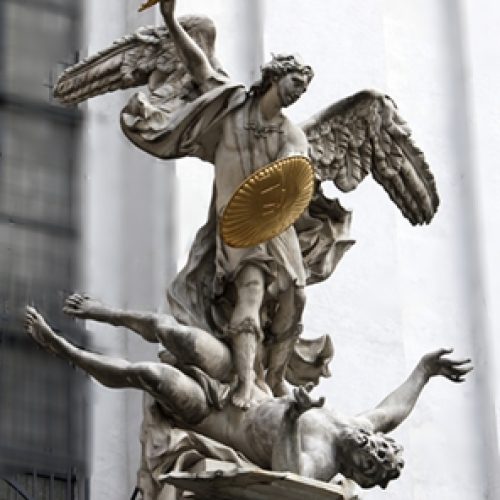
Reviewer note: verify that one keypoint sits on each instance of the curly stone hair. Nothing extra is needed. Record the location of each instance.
(280, 65)
(383, 457)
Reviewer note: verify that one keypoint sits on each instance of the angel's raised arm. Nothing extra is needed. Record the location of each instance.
(188, 50)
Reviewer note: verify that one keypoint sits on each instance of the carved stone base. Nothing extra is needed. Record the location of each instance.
(257, 484)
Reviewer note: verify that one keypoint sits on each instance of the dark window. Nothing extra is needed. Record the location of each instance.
(43, 400)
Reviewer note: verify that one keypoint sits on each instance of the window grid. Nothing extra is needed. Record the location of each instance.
(43, 400)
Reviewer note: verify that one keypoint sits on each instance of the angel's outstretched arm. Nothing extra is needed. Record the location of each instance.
(399, 404)
(190, 53)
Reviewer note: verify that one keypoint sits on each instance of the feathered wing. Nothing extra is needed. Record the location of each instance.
(364, 133)
(131, 60)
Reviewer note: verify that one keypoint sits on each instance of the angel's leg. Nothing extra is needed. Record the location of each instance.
(286, 329)
(190, 345)
(176, 392)
(245, 331)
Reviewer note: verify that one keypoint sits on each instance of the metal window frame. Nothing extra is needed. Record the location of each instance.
(70, 468)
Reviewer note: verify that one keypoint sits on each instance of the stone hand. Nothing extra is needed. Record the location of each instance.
(435, 364)
(302, 402)
(167, 7)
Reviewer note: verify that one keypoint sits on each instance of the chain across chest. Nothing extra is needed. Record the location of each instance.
(259, 143)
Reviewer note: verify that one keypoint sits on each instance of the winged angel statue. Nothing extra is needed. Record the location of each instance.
(253, 296)
(234, 333)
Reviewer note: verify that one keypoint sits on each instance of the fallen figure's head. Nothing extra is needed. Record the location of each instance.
(371, 459)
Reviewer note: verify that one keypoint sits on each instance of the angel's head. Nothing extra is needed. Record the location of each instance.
(370, 459)
(288, 73)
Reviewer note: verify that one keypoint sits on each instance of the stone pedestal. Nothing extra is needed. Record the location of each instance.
(256, 484)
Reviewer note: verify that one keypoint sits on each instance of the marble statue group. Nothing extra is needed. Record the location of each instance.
(234, 376)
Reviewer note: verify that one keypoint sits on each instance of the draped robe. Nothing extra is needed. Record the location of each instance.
(306, 253)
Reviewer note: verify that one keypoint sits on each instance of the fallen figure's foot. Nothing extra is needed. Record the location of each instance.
(85, 307)
(40, 331)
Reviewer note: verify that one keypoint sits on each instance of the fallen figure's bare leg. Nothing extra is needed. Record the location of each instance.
(85, 307)
(190, 345)
(168, 385)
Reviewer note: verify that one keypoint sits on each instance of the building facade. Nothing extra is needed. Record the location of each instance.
(117, 224)
(43, 402)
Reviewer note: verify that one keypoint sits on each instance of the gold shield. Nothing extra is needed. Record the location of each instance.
(268, 202)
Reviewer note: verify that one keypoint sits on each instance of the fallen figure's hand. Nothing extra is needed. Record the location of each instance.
(302, 402)
(434, 364)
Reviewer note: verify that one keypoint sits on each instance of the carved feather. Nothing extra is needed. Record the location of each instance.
(364, 133)
(130, 61)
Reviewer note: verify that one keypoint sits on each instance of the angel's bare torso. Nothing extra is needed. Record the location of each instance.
(240, 147)
(241, 151)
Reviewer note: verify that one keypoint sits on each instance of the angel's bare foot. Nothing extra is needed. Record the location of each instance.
(40, 331)
(242, 396)
(85, 307)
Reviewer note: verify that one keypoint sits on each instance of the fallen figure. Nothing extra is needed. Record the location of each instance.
(297, 434)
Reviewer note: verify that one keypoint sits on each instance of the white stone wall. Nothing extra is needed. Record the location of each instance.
(400, 291)
(128, 252)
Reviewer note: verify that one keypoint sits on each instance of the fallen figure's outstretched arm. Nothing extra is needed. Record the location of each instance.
(390, 412)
